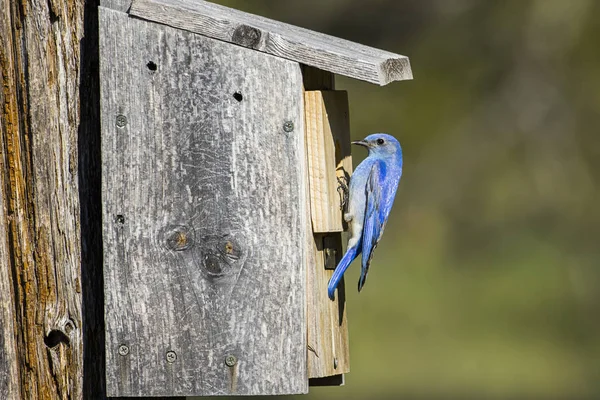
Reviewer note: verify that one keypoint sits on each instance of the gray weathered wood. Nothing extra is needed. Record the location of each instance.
(204, 214)
(118, 5)
(294, 43)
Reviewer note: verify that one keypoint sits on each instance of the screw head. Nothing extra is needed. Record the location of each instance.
(230, 360)
(123, 350)
(121, 121)
(120, 219)
(288, 126)
(171, 357)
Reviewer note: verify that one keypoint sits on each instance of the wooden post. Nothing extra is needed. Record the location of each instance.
(51, 319)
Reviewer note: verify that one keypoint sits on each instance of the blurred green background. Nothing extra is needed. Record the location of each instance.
(486, 283)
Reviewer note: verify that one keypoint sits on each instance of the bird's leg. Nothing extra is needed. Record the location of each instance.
(343, 190)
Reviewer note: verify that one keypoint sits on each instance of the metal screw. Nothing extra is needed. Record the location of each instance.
(335, 363)
(119, 219)
(123, 350)
(230, 360)
(121, 121)
(171, 357)
(288, 126)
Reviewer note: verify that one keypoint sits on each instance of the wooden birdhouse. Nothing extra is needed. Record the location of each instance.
(222, 141)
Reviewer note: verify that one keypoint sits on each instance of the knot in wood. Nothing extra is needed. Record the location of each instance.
(220, 254)
(179, 238)
(246, 36)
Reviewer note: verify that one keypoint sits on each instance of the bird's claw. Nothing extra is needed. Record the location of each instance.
(343, 190)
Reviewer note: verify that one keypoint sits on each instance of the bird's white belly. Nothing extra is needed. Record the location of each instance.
(356, 206)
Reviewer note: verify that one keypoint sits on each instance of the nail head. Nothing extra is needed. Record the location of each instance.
(123, 350)
(230, 360)
(171, 357)
(121, 121)
(288, 126)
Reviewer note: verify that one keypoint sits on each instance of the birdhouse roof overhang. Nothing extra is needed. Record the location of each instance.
(304, 46)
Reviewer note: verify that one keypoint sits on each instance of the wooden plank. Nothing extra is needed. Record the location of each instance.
(205, 215)
(283, 40)
(328, 346)
(118, 5)
(329, 156)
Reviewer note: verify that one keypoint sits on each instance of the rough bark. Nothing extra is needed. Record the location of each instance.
(46, 87)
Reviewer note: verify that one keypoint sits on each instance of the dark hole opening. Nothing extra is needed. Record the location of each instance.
(238, 96)
(151, 66)
(55, 337)
(120, 219)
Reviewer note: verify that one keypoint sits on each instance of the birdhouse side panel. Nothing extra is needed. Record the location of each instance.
(204, 215)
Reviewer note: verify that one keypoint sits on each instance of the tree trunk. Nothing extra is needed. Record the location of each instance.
(50, 247)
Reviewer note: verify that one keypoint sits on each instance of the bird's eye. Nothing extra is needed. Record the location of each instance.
(380, 141)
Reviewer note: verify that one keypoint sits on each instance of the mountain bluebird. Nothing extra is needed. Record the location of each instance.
(371, 195)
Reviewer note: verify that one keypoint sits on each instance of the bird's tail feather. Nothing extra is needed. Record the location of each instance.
(345, 262)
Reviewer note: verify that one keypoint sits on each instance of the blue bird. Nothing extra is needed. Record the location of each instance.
(370, 197)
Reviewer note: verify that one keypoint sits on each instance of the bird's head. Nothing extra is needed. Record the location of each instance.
(381, 144)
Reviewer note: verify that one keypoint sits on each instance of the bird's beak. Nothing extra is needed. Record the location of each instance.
(361, 143)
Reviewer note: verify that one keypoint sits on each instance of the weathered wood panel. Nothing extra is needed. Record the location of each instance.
(328, 344)
(329, 156)
(41, 350)
(118, 5)
(328, 355)
(205, 217)
(273, 37)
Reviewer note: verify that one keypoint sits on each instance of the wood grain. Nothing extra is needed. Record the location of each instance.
(329, 156)
(205, 216)
(328, 346)
(41, 348)
(10, 168)
(273, 37)
(118, 5)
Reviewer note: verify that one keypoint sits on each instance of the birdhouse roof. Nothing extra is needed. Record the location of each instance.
(287, 41)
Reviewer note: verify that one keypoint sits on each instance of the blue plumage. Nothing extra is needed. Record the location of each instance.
(371, 195)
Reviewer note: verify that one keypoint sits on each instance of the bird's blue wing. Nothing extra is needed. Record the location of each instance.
(380, 194)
